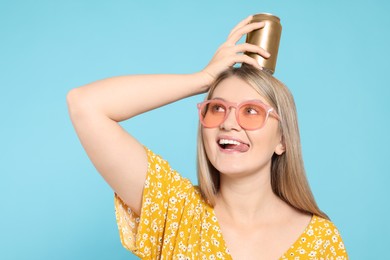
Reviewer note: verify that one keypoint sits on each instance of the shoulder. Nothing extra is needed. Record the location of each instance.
(322, 226)
(323, 237)
(161, 176)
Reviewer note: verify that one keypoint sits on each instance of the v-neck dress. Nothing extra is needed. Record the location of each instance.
(177, 223)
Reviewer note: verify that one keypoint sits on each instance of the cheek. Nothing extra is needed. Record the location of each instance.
(267, 139)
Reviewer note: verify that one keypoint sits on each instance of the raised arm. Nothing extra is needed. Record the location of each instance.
(95, 110)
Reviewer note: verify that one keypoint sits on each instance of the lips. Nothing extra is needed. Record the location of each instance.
(232, 144)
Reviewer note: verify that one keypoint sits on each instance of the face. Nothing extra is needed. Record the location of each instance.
(233, 150)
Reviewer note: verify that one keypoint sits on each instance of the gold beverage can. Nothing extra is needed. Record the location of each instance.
(267, 38)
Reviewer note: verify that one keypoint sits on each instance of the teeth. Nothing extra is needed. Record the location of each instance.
(227, 141)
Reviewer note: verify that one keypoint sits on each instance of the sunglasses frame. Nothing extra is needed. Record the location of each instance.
(237, 106)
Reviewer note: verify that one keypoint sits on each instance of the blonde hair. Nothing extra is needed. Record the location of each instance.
(288, 178)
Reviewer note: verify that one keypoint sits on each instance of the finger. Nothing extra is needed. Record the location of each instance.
(245, 59)
(247, 47)
(236, 36)
(241, 24)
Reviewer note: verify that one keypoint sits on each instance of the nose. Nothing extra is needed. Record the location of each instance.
(231, 122)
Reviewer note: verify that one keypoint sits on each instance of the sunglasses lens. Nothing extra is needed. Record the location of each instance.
(213, 113)
(251, 116)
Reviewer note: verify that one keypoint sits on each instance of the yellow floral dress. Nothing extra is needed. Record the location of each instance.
(176, 223)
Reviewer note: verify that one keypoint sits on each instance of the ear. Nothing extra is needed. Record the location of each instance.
(281, 147)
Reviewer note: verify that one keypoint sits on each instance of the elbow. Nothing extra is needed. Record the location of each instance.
(76, 103)
(71, 96)
(71, 100)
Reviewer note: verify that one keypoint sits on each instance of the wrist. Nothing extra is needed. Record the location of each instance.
(206, 79)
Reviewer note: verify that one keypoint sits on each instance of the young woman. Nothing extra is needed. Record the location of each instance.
(253, 199)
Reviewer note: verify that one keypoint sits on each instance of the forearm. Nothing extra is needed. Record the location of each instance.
(120, 98)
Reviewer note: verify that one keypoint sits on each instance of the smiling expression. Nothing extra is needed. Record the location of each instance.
(233, 150)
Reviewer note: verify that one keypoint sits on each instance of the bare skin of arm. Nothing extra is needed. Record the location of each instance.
(95, 110)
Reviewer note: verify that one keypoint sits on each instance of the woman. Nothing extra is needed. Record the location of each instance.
(253, 200)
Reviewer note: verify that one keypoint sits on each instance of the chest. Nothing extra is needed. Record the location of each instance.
(266, 243)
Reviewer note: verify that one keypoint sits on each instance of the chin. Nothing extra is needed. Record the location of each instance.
(232, 170)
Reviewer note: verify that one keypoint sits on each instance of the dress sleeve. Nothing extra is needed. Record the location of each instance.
(334, 244)
(164, 198)
(320, 240)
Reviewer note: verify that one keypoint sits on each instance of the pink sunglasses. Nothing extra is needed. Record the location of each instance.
(250, 115)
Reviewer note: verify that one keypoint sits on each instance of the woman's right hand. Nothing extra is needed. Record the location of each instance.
(230, 53)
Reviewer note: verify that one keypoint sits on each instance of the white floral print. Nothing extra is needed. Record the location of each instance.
(177, 223)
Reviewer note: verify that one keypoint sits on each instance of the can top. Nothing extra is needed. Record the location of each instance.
(265, 16)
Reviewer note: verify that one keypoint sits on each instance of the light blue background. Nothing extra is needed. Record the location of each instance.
(334, 56)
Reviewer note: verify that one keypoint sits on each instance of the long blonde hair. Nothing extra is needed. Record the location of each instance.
(288, 177)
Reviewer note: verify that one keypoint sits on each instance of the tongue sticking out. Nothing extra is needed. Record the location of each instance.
(236, 147)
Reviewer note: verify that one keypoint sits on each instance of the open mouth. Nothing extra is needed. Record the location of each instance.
(232, 145)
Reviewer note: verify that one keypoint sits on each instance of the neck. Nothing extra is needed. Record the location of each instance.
(248, 198)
